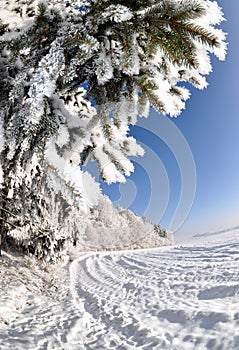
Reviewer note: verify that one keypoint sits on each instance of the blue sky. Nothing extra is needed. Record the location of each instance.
(210, 127)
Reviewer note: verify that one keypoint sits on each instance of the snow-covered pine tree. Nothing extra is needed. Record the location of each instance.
(74, 76)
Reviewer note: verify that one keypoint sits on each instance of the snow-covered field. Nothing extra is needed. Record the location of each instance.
(182, 297)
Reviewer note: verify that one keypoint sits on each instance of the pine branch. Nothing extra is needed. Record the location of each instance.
(190, 13)
(85, 154)
(126, 48)
(183, 40)
(106, 128)
(77, 39)
(153, 99)
(151, 47)
(115, 160)
(162, 10)
(195, 31)
(167, 49)
(175, 91)
(199, 32)
(185, 51)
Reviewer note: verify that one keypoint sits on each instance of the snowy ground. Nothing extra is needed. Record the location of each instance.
(181, 298)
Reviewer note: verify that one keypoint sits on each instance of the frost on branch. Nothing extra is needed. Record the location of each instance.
(117, 13)
(74, 77)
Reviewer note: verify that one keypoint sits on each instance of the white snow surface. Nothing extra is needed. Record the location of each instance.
(181, 297)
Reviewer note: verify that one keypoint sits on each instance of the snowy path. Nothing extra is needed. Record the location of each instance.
(176, 298)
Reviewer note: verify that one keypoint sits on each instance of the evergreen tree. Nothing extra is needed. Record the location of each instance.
(74, 76)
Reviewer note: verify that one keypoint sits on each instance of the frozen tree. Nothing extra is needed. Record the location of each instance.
(74, 76)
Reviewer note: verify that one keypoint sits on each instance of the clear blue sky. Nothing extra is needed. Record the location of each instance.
(210, 126)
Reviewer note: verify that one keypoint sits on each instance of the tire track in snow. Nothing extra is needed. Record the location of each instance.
(170, 298)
